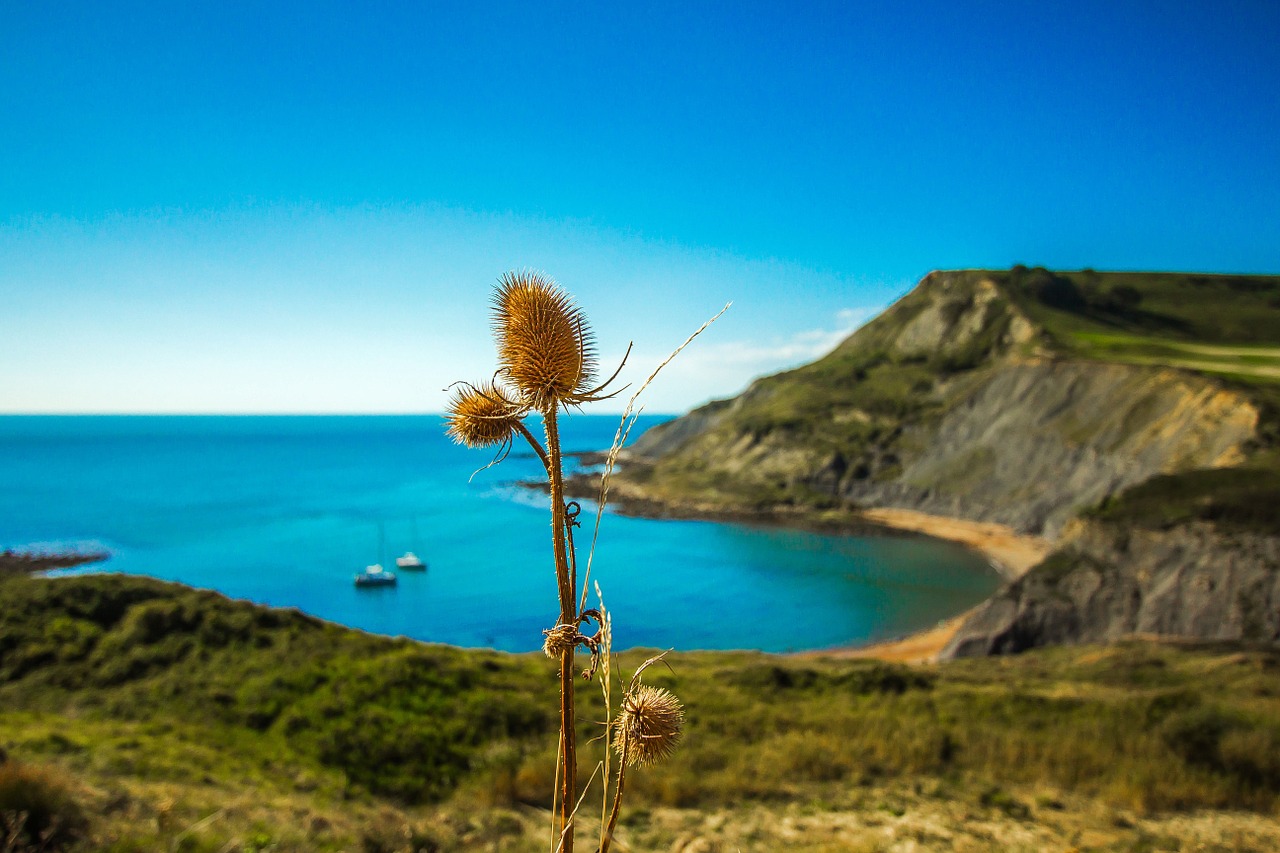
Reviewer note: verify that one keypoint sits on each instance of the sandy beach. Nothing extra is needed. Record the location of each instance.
(1012, 554)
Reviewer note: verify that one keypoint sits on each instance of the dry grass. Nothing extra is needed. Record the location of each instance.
(39, 808)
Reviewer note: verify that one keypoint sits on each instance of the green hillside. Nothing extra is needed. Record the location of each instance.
(148, 716)
(875, 421)
(1221, 324)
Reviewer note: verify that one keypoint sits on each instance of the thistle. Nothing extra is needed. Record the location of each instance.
(546, 363)
(482, 415)
(647, 730)
(545, 347)
(649, 726)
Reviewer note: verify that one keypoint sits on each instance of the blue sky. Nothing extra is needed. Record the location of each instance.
(302, 207)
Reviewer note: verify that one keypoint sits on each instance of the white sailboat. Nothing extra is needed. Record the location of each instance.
(375, 575)
(410, 561)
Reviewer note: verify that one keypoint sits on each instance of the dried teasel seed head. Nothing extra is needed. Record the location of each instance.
(648, 726)
(545, 347)
(559, 640)
(481, 415)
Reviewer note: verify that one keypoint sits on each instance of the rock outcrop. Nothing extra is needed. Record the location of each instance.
(1109, 581)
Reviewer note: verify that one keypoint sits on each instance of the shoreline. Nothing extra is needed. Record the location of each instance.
(1010, 554)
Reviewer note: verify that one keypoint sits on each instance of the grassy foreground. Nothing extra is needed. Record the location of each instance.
(140, 716)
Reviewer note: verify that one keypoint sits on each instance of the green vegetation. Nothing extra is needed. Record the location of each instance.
(1246, 364)
(1235, 499)
(159, 706)
(1218, 324)
(807, 400)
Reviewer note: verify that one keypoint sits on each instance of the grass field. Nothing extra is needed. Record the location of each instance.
(1248, 363)
(1227, 310)
(177, 720)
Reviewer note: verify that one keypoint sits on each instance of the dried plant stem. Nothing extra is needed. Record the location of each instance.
(606, 837)
(533, 442)
(568, 616)
(578, 805)
(555, 796)
(606, 681)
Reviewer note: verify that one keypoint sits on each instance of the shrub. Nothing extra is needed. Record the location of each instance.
(37, 804)
(1196, 734)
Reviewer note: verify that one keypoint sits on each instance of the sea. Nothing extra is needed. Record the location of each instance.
(286, 510)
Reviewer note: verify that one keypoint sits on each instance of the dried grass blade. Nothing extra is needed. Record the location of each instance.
(620, 438)
(577, 806)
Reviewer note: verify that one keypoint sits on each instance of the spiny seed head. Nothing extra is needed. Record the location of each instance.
(648, 726)
(545, 347)
(559, 640)
(481, 415)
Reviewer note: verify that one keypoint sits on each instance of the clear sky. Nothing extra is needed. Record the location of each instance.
(302, 207)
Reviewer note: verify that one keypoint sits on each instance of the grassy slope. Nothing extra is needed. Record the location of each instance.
(1238, 310)
(161, 707)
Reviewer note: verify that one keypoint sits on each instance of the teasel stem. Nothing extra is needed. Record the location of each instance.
(568, 616)
(606, 837)
(537, 448)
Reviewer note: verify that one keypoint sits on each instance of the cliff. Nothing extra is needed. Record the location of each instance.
(1107, 582)
(1025, 398)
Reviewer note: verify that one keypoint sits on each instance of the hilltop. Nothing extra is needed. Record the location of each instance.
(1130, 420)
(141, 716)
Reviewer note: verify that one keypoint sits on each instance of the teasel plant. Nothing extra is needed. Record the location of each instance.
(548, 366)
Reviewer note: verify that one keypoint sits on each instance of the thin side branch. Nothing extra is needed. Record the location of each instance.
(503, 450)
(533, 442)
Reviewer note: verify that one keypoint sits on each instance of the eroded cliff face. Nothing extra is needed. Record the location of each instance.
(1031, 444)
(1108, 581)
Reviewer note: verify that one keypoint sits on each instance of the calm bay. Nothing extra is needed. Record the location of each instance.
(284, 510)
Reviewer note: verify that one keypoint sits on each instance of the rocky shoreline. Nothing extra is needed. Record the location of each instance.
(839, 522)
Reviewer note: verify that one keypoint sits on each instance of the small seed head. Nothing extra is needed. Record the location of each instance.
(481, 415)
(545, 347)
(648, 726)
(559, 640)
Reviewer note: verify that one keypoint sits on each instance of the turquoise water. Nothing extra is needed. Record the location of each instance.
(284, 511)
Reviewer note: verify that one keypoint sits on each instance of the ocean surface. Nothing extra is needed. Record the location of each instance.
(285, 510)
